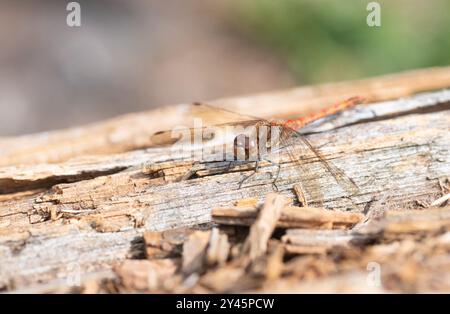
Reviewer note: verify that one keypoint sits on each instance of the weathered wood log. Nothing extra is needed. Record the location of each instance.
(134, 131)
(64, 218)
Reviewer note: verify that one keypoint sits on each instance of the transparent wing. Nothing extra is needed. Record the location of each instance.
(341, 178)
(304, 154)
(201, 118)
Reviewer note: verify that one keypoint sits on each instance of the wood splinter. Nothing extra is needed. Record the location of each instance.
(262, 229)
(290, 217)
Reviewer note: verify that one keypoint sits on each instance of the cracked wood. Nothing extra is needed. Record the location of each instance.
(91, 212)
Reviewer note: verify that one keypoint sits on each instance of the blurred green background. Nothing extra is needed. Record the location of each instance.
(330, 40)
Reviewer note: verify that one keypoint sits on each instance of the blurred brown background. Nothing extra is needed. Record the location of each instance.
(126, 56)
(134, 55)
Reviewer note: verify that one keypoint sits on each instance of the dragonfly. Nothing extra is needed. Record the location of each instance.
(255, 139)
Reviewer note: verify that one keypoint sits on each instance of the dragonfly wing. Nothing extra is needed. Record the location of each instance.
(309, 185)
(201, 118)
(341, 178)
(303, 154)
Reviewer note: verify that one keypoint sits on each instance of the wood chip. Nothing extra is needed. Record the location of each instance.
(326, 238)
(170, 171)
(298, 189)
(291, 217)
(218, 248)
(153, 242)
(274, 261)
(165, 244)
(246, 202)
(194, 252)
(413, 222)
(223, 279)
(301, 241)
(145, 275)
(441, 201)
(262, 229)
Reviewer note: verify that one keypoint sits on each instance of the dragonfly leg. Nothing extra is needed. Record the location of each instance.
(275, 186)
(191, 172)
(274, 182)
(250, 175)
(256, 165)
(188, 175)
(277, 174)
(228, 166)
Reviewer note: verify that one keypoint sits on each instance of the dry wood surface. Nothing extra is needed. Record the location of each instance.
(98, 208)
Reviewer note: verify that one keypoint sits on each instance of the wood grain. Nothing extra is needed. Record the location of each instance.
(61, 218)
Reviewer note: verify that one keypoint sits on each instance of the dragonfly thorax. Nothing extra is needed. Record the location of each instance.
(256, 142)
